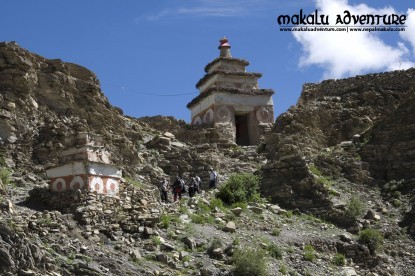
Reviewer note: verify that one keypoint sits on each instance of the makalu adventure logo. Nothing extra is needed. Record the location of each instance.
(344, 22)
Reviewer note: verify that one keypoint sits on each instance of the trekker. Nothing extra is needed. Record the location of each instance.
(198, 184)
(213, 176)
(192, 185)
(178, 186)
(164, 186)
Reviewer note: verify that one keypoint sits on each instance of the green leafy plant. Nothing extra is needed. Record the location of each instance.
(288, 214)
(202, 218)
(283, 269)
(165, 220)
(242, 205)
(354, 208)
(372, 238)
(309, 253)
(5, 176)
(275, 251)
(339, 259)
(396, 194)
(183, 209)
(216, 203)
(249, 261)
(156, 240)
(276, 232)
(240, 188)
(396, 202)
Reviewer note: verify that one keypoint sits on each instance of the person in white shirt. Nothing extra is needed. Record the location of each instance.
(213, 176)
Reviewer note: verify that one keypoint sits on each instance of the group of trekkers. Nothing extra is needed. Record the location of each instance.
(191, 186)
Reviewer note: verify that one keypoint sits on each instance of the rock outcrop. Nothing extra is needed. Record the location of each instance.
(358, 129)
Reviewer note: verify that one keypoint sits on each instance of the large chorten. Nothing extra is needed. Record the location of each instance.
(231, 99)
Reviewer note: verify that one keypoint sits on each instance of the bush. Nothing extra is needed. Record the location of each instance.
(156, 240)
(249, 262)
(165, 220)
(275, 251)
(283, 269)
(242, 205)
(240, 188)
(339, 259)
(202, 218)
(372, 238)
(309, 253)
(396, 202)
(5, 176)
(276, 232)
(354, 208)
(216, 202)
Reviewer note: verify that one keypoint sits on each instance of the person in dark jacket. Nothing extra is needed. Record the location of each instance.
(177, 188)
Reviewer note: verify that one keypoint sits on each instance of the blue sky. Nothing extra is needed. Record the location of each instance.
(141, 50)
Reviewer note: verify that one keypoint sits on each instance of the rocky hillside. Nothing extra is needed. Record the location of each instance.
(345, 141)
(344, 138)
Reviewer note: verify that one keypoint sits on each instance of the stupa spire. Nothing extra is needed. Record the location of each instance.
(224, 47)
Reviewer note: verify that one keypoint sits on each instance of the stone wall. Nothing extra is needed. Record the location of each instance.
(135, 210)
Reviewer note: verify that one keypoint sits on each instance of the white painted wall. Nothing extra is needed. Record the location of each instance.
(73, 168)
(104, 169)
(240, 103)
(76, 168)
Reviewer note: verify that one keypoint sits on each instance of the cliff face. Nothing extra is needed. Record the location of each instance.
(42, 101)
(358, 129)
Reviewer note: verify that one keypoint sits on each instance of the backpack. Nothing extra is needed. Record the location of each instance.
(182, 186)
(198, 181)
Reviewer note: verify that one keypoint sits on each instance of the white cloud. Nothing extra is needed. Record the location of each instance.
(343, 54)
(212, 11)
(203, 8)
(409, 34)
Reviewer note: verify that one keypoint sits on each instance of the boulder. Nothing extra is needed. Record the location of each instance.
(230, 227)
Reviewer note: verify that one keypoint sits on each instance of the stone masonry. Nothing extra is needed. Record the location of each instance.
(85, 164)
(231, 100)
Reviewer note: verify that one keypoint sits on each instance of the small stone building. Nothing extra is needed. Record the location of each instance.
(231, 100)
(85, 164)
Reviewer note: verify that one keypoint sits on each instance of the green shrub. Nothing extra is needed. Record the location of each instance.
(354, 208)
(396, 202)
(216, 202)
(372, 238)
(242, 205)
(183, 209)
(288, 214)
(5, 176)
(314, 170)
(249, 262)
(309, 253)
(240, 188)
(283, 269)
(396, 194)
(165, 220)
(203, 207)
(275, 251)
(339, 259)
(156, 240)
(202, 218)
(276, 232)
